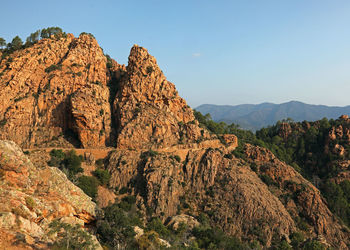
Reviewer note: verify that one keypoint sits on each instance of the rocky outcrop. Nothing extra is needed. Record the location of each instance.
(56, 89)
(176, 221)
(206, 182)
(91, 116)
(299, 196)
(149, 111)
(31, 197)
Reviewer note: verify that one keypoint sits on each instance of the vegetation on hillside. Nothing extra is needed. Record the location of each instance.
(304, 149)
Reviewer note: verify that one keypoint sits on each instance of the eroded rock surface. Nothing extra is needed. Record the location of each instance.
(31, 197)
(56, 89)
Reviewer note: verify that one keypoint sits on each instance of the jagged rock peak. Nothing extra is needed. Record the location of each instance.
(150, 112)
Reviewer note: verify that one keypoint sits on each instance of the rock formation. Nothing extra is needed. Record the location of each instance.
(31, 197)
(149, 111)
(56, 89)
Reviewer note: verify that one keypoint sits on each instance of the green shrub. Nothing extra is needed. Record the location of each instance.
(129, 199)
(3, 122)
(109, 63)
(149, 153)
(73, 162)
(314, 245)
(57, 157)
(123, 190)
(297, 238)
(89, 185)
(102, 175)
(70, 236)
(177, 158)
(99, 163)
(267, 180)
(149, 70)
(209, 238)
(156, 225)
(116, 230)
(30, 202)
(53, 67)
(66, 160)
(89, 34)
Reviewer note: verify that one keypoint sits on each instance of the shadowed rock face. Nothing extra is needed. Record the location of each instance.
(31, 197)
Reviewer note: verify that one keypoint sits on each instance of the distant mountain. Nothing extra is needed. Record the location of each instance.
(256, 116)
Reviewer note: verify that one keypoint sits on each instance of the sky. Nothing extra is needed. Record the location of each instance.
(215, 52)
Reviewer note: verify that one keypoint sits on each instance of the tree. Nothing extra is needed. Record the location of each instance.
(16, 43)
(89, 185)
(2, 42)
(33, 37)
(71, 236)
(48, 32)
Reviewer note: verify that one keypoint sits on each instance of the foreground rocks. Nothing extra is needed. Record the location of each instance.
(236, 198)
(32, 197)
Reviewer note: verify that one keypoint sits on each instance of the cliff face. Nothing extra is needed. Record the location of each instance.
(31, 197)
(56, 91)
(149, 111)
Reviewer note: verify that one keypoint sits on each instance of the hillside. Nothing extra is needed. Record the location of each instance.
(166, 178)
(256, 116)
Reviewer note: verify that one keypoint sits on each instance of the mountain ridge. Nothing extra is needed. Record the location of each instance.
(256, 116)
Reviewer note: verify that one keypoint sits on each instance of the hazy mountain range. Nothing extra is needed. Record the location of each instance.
(256, 116)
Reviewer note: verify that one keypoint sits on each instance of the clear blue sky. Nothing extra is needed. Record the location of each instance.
(220, 52)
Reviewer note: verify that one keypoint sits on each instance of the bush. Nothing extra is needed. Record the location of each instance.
(177, 158)
(70, 236)
(209, 238)
(89, 34)
(149, 153)
(297, 238)
(123, 190)
(52, 68)
(30, 202)
(73, 162)
(57, 157)
(149, 70)
(314, 245)
(103, 176)
(130, 199)
(89, 185)
(117, 227)
(156, 225)
(99, 163)
(149, 240)
(267, 180)
(3, 122)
